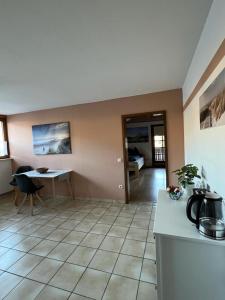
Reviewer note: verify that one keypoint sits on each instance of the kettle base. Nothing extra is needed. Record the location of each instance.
(212, 228)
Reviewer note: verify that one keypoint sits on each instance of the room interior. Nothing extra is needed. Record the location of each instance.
(112, 118)
(145, 144)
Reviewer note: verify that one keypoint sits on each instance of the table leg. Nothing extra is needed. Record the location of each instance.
(70, 186)
(53, 188)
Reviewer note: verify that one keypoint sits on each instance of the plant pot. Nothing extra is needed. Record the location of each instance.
(188, 191)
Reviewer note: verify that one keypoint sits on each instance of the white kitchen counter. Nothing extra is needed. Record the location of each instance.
(189, 265)
(171, 220)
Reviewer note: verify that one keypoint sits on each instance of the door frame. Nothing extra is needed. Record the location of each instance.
(125, 154)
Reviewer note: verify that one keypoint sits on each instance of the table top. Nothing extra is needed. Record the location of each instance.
(49, 174)
(171, 220)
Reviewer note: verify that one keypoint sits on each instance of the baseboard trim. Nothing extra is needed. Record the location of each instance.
(63, 197)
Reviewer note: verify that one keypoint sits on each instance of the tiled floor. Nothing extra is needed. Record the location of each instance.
(78, 250)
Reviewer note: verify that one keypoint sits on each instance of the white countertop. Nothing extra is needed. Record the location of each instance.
(171, 220)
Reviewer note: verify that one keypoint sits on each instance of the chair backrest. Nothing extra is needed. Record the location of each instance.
(23, 169)
(25, 184)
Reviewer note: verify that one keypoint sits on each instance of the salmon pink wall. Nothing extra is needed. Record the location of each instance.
(96, 137)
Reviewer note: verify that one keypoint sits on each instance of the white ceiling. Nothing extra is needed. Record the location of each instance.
(61, 52)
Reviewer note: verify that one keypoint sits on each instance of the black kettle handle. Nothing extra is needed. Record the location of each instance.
(191, 201)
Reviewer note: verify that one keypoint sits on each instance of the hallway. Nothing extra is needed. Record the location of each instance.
(145, 188)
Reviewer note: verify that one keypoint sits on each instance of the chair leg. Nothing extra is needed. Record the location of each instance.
(40, 199)
(31, 204)
(22, 203)
(16, 196)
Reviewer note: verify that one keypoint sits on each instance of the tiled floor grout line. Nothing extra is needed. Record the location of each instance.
(117, 258)
(96, 221)
(93, 258)
(142, 264)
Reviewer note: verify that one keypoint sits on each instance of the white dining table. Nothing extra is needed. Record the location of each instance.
(53, 175)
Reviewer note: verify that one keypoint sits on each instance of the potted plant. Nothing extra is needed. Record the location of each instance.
(186, 176)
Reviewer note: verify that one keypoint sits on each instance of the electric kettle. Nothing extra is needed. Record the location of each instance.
(207, 211)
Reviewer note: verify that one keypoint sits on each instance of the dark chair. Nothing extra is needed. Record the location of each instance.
(21, 169)
(27, 186)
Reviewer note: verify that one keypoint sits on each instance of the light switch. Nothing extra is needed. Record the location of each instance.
(119, 159)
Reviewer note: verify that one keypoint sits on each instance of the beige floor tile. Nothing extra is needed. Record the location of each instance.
(107, 220)
(45, 270)
(7, 283)
(13, 240)
(27, 244)
(58, 235)
(78, 297)
(150, 237)
(111, 243)
(121, 288)
(151, 224)
(26, 290)
(146, 291)
(52, 293)
(140, 223)
(137, 234)
(150, 251)
(92, 240)
(44, 248)
(70, 224)
(28, 229)
(81, 256)
(125, 214)
(25, 265)
(121, 221)
(92, 284)
(132, 247)
(118, 231)
(100, 229)
(3, 250)
(9, 258)
(84, 226)
(148, 273)
(43, 231)
(128, 266)
(67, 276)
(55, 222)
(74, 237)
(4, 235)
(104, 261)
(62, 251)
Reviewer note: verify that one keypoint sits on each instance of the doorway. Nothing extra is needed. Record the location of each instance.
(145, 155)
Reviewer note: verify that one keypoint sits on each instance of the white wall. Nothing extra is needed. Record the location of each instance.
(212, 36)
(206, 148)
(145, 148)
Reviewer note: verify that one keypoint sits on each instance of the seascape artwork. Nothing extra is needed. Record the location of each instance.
(137, 134)
(212, 103)
(51, 139)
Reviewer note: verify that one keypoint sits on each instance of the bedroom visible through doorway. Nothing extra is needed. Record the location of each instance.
(145, 150)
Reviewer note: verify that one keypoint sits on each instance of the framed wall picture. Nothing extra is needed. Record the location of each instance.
(51, 138)
(137, 135)
(212, 103)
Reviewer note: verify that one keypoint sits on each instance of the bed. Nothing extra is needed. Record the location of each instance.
(135, 161)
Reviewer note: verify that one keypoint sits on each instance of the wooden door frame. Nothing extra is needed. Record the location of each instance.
(125, 154)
